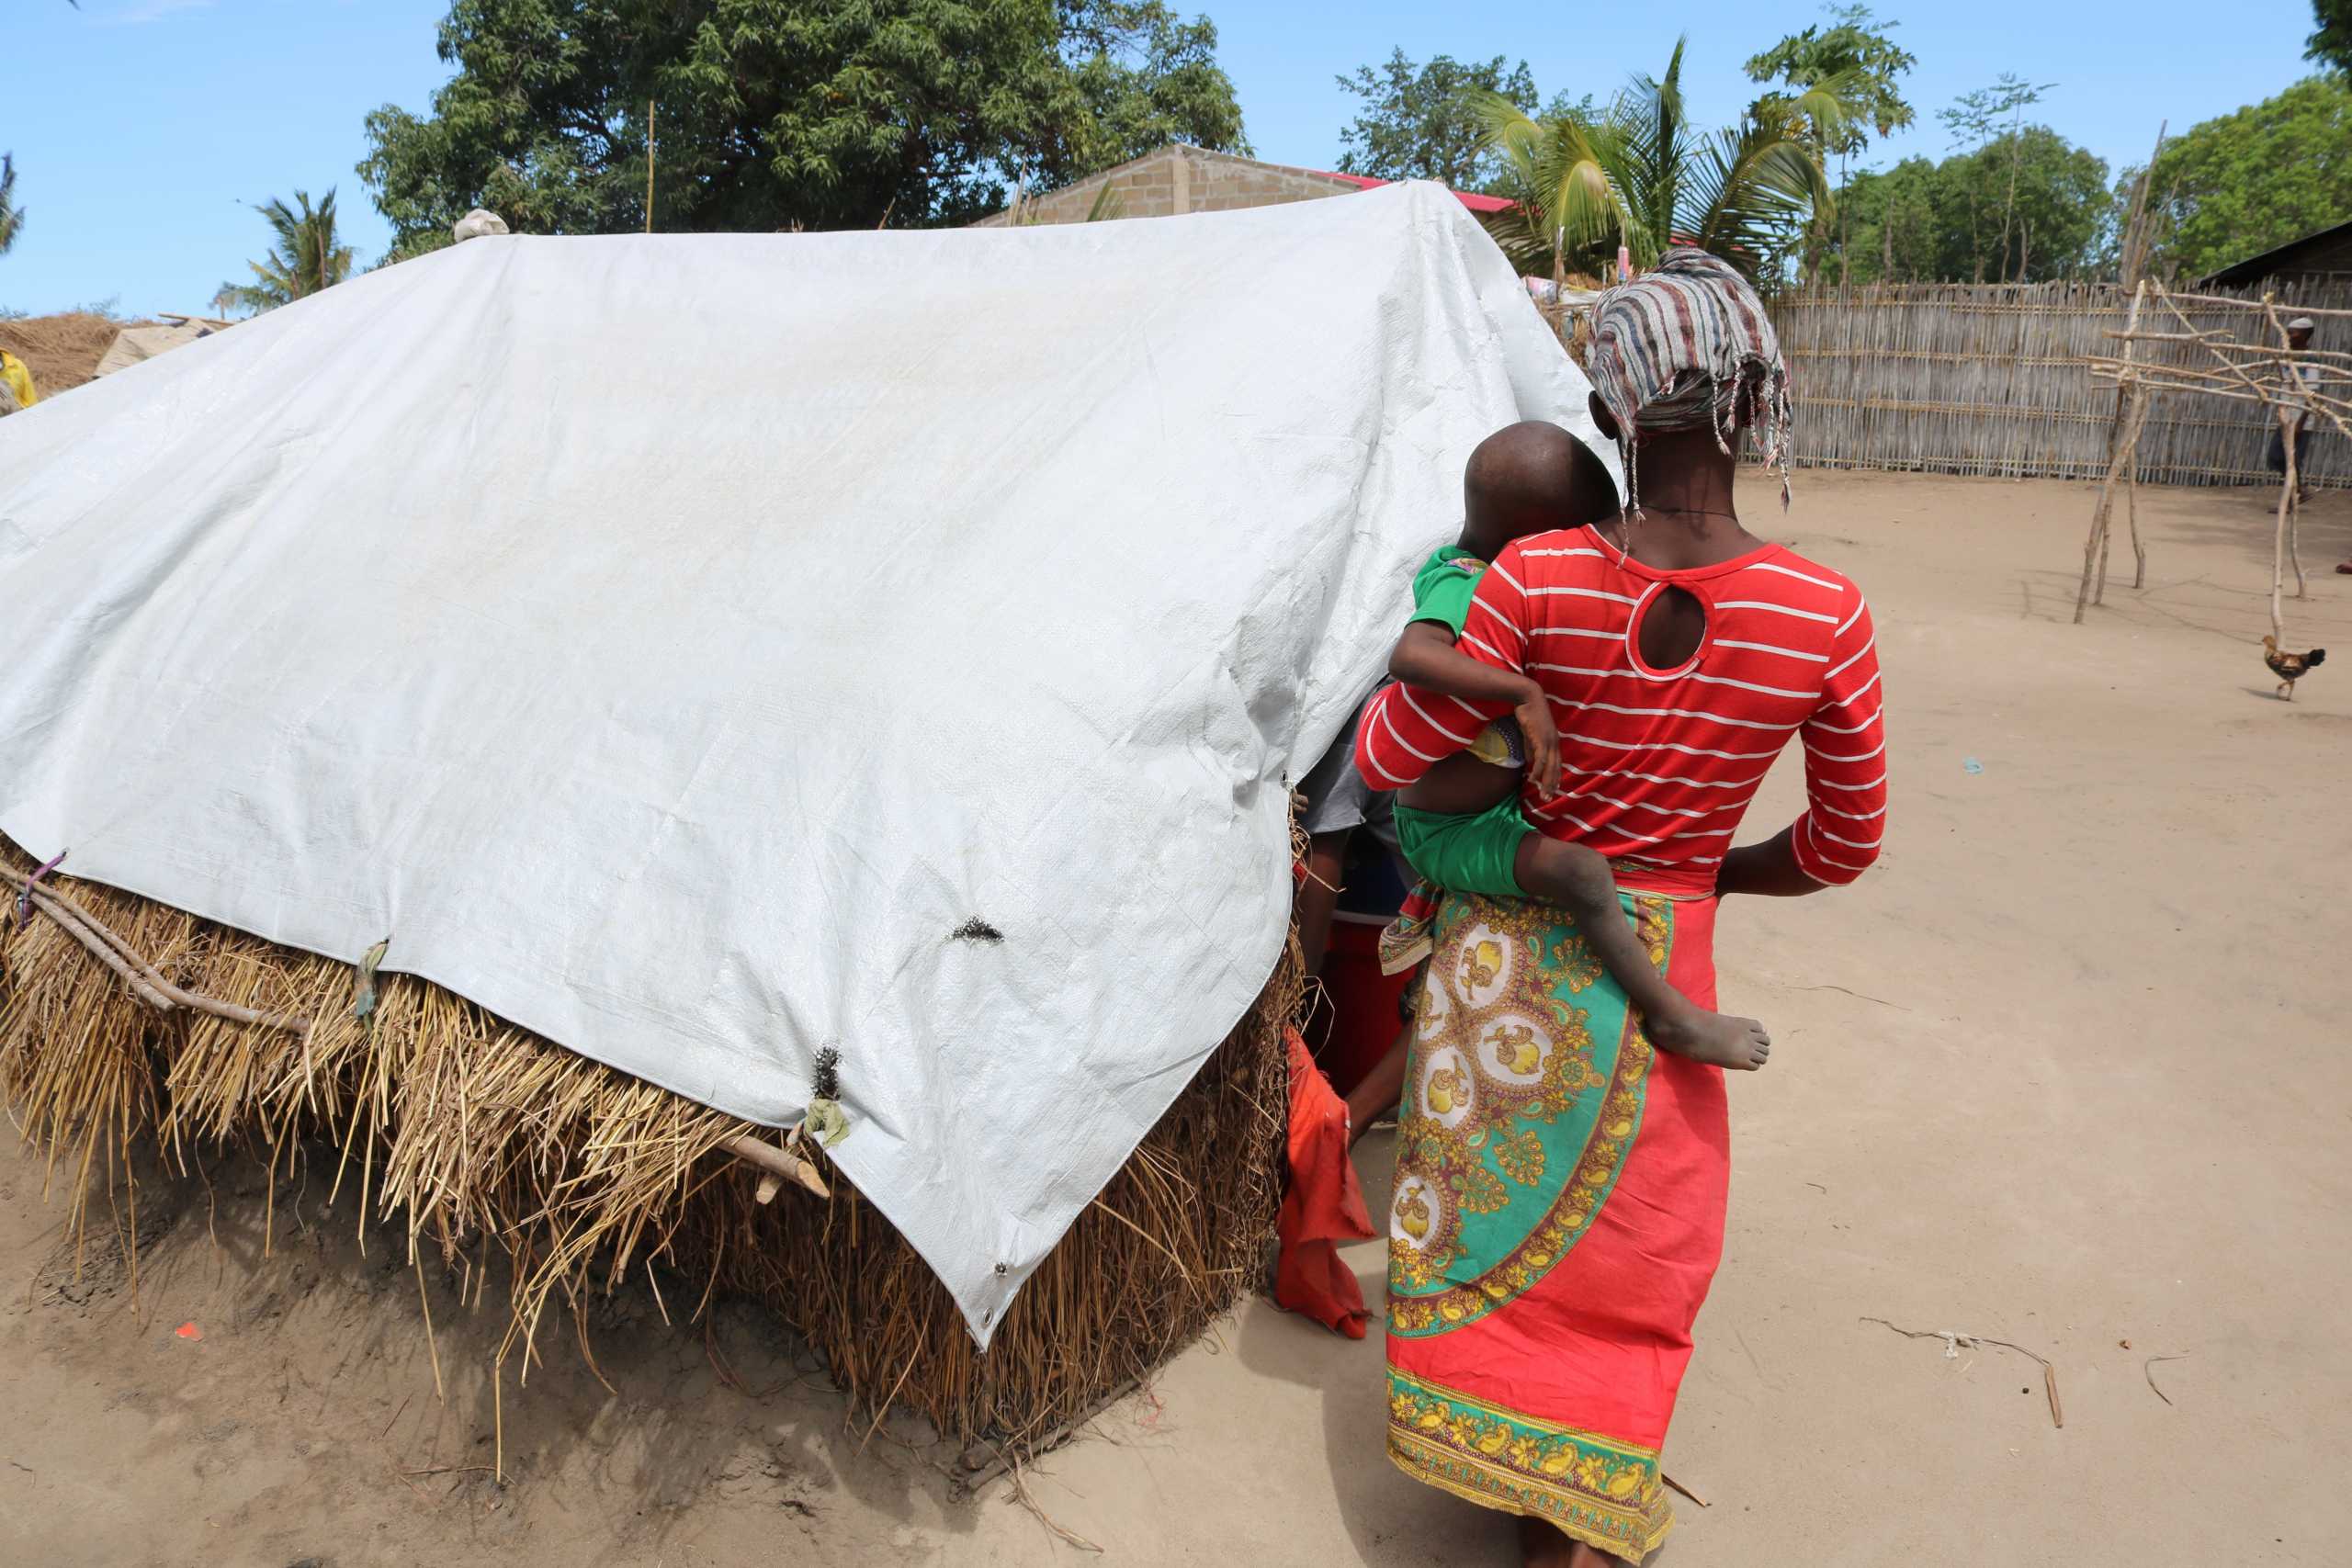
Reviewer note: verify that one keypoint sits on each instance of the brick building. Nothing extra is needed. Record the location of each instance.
(1179, 178)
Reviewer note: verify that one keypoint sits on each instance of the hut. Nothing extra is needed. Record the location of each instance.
(1179, 179)
(562, 738)
(62, 351)
(143, 341)
(77, 347)
(2320, 258)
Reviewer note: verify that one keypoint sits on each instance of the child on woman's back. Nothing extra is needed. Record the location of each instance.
(1460, 827)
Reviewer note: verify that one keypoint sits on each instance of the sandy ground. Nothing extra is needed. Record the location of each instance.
(2068, 1069)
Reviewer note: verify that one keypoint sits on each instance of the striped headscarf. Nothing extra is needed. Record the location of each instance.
(1688, 344)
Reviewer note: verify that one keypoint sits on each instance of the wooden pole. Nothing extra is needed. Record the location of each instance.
(649, 165)
(2131, 502)
(2294, 527)
(2122, 450)
(2135, 258)
(2285, 415)
(2135, 243)
(2278, 534)
(2106, 538)
(2135, 420)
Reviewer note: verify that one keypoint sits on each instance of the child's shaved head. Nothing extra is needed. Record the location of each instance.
(1531, 478)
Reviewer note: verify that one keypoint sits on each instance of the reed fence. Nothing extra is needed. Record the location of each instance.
(1996, 378)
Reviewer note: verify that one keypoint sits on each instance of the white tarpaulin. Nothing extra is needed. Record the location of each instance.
(668, 642)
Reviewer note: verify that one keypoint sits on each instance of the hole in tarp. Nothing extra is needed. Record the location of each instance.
(975, 930)
(1672, 628)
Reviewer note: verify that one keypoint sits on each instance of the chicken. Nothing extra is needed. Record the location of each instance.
(2289, 667)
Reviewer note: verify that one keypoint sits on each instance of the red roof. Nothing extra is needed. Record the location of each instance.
(1469, 199)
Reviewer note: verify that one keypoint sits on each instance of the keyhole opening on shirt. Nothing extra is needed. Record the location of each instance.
(1672, 626)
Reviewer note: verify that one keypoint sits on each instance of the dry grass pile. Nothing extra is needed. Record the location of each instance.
(486, 1142)
(60, 351)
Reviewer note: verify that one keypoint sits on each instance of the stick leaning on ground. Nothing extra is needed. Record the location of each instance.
(144, 979)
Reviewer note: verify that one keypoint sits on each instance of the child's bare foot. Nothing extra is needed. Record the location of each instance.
(1739, 1045)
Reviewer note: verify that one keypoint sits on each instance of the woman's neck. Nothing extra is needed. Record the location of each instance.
(1688, 517)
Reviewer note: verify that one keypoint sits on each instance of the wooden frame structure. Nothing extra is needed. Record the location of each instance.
(2217, 362)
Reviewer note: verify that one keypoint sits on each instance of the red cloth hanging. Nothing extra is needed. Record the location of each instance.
(1324, 1206)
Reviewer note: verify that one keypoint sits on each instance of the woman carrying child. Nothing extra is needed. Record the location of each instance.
(1558, 1204)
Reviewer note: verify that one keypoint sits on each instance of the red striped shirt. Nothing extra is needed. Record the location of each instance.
(1658, 766)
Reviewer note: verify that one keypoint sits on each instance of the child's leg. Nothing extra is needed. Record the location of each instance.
(1579, 880)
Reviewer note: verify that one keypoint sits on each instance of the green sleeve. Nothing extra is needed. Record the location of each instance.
(1445, 586)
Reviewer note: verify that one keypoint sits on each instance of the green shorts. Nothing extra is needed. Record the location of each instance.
(1466, 853)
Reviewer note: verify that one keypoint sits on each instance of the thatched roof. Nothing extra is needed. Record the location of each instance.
(62, 351)
(144, 341)
(483, 1139)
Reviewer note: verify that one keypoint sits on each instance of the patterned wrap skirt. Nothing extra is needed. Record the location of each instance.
(1558, 1215)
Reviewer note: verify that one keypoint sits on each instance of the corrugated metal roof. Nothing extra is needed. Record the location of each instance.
(1477, 201)
(2254, 270)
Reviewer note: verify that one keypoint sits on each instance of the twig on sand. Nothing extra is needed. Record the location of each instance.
(2146, 1372)
(1856, 995)
(984, 1462)
(1953, 1341)
(1021, 1494)
(1678, 1486)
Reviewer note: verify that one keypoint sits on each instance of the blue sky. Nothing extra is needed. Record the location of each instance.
(140, 127)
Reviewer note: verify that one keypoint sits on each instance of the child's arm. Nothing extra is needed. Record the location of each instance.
(1426, 658)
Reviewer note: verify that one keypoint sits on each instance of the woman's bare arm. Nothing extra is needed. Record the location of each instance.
(1768, 869)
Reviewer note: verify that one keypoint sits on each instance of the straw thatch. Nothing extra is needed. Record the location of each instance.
(486, 1142)
(60, 351)
(143, 341)
(1998, 379)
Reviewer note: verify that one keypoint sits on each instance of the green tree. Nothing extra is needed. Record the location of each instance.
(1640, 174)
(12, 216)
(1922, 220)
(1897, 226)
(303, 260)
(2330, 42)
(1148, 77)
(1854, 51)
(775, 114)
(1426, 122)
(1855, 55)
(1988, 118)
(2235, 187)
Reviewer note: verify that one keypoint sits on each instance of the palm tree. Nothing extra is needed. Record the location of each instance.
(304, 261)
(12, 216)
(1640, 176)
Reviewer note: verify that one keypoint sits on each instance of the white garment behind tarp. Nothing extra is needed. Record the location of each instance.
(668, 641)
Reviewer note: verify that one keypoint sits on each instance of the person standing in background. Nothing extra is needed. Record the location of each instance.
(17, 392)
(2295, 393)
